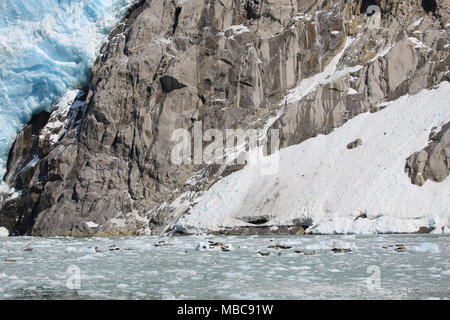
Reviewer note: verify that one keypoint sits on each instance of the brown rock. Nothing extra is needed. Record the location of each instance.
(433, 162)
(425, 230)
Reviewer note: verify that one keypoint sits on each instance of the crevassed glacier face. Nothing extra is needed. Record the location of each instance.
(46, 48)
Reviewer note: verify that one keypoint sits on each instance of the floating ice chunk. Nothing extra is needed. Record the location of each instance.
(80, 249)
(202, 246)
(426, 247)
(331, 244)
(4, 232)
(434, 269)
(213, 246)
(18, 282)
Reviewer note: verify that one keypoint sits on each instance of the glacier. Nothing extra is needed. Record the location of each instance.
(47, 48)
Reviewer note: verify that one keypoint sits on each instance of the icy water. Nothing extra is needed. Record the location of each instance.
(134, 268)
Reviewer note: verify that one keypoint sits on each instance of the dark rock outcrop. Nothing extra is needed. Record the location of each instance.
(169, 84)
(24, 150)
(433, 162)
(354, 144)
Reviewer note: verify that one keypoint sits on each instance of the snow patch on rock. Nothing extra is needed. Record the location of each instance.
(323, 181)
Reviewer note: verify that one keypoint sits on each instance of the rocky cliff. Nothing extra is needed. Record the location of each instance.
(433, 162)
(101, 164)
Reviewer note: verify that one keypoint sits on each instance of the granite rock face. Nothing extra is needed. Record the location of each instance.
(433, 162)
(227, 63)
(404, 54)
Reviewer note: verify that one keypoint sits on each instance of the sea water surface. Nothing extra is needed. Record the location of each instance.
(179, 268)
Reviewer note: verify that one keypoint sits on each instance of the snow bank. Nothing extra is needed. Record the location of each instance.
(323, 181)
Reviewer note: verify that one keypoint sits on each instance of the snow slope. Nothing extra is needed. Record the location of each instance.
(46, 48)
(321, 180)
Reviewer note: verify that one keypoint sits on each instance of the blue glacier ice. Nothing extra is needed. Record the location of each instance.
(46, 48)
